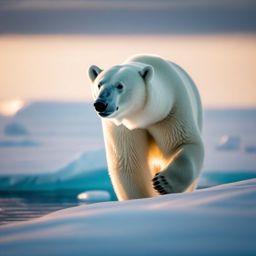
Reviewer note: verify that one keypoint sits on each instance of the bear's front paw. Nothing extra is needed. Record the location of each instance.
(161, 184)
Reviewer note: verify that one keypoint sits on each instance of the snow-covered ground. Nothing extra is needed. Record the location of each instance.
(214, 221)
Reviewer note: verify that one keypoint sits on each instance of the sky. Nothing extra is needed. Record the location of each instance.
(46, 47)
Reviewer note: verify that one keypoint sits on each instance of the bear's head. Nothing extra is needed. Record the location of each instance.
(120, 91)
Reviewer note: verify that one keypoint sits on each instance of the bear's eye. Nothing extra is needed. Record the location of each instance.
(100, 84)
(120, 87)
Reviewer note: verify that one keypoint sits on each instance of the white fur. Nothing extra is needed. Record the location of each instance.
(159, 100)
(156, 127)
(158, 105)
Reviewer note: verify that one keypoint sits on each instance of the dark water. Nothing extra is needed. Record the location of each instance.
(22, 206)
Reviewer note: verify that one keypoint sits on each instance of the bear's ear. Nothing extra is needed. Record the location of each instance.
(146, 73)
(94, 72)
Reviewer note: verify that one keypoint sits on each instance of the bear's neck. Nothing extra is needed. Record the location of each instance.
(159, 103)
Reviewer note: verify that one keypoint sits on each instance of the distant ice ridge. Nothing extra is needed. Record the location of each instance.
(15, 129)
(214, 221)
(59, 118)
(18, 143)
(59, 130)
(86, 172)
(250, 149)
(17, 135)
(234, 143)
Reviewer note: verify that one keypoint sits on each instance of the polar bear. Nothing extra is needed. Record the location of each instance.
(152, 119)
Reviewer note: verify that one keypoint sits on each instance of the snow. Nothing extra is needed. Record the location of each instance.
(229, 142)
(216, 221)
(94, 196)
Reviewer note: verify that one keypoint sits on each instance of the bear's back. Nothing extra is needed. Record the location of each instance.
(193, 92)
(166, 69)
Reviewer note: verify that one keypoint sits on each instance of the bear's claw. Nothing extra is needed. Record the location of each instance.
(160, 184)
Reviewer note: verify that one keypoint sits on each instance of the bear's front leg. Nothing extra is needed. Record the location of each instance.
(127, 161)
(182, 171)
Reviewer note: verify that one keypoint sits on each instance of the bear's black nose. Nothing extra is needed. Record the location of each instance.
(100, 106)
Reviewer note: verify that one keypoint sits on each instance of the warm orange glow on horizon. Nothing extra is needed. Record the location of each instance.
(55, 67)
(10, 107)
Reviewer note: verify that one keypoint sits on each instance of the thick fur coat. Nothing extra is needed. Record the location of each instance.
(152, 120)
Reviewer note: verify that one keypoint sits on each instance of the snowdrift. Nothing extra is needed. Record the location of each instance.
(215, 221)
